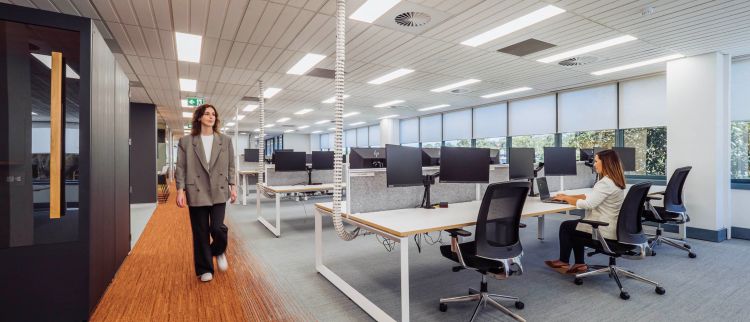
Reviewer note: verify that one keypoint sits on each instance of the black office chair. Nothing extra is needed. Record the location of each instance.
(631, 242)
(496, 247)
(673, 212)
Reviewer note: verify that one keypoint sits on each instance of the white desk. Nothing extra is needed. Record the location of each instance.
(280, 191)
(398, 225)
(243, 178)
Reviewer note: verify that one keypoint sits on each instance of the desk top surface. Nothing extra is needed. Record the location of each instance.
(300, 188)
(411, 221)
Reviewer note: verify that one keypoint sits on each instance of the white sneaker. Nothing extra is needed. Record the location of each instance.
(221, 261)
(206, 277)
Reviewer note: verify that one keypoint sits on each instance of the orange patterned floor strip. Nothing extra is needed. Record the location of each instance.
(157, 282)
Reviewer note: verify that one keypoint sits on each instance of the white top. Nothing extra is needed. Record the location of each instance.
(602, 204)
(208, 143)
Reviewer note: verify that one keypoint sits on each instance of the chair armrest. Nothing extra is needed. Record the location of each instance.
(458, 232)
(593, 223)
(658, 193)
(521, 225)
(649, 198)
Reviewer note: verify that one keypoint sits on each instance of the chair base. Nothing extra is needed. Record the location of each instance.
(483, 297)
(659, 238)
(614, 272)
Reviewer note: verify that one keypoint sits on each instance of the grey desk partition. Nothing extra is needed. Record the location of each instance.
(273, 178)
(585, 178)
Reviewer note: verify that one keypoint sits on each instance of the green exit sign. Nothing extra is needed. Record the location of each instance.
(195, 101)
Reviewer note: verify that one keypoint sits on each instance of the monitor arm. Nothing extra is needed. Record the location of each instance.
(536, 172)
(427, 181)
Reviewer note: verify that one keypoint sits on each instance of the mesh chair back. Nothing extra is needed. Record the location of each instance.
(673, 194)
(499, 218)
(629, 230)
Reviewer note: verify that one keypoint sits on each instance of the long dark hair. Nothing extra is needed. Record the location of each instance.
(612, 167)
(196, 128)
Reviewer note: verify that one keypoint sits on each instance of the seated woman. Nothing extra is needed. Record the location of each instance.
(602, 204)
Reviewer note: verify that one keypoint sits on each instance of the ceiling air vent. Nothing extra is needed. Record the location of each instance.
(322, 73)
(579, 61)
(412, 19)
(528, 46)
(459, 91)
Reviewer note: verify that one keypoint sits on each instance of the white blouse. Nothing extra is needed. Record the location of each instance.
(208, 144)
(602, 204)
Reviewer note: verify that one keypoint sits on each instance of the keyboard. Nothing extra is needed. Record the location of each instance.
(550, 200)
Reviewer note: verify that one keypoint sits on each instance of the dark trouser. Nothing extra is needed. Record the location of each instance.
(208, 221)
(572, 239)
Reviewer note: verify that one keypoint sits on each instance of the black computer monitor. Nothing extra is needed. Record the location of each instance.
(494, 156)
(405, 168)
(521, 163)
(464, 165)
(251, 155)
(586, 154)
(322, 160)
(430, 157)
(289, 161)
(362, 158)
(627, 157)
(285, 150)
(559, 161)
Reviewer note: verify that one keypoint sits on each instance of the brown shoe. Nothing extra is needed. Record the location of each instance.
(577, 269)
(557, 264)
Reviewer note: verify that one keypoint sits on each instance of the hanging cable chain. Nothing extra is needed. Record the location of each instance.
(261, 137)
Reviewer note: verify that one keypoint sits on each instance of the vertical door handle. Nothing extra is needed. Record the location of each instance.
(57, 150)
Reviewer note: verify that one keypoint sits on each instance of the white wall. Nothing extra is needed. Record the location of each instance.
(298, 142)
(741, 208)
(698, 100)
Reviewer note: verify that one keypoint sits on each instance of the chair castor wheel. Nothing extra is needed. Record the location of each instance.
(660, 290)
(692, 255)
(519, 305)
(624, 295)
(443, 307)
(578, 281)
(686, 246)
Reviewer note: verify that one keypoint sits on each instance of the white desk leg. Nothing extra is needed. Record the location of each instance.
(404, 241)
(318, 241)
(278, 214)
(275, 230)
(540, 227)
(244, 189)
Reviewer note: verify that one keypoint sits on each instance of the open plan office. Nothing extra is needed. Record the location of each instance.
(386, 160)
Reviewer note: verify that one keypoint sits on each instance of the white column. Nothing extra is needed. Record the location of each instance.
(389, 132)
(698, 136)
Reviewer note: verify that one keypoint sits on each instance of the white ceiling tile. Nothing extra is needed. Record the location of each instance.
(250, 20)
(181, 15)
(198, 16)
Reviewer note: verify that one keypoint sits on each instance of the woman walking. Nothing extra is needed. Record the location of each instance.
(205, 180)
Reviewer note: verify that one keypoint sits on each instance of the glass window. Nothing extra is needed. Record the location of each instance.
(589, 139)
(740, 147)
(538, 142)
(431, 144)
(495, 143)
(650, 145)
(463, 143)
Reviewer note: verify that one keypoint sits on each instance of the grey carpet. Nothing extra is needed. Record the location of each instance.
(712, 287)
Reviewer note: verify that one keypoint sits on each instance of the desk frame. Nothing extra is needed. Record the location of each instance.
(278, 192)
(363, 302)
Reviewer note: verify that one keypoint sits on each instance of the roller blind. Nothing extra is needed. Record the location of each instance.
(362, 137)
(532, 116)
(457, 125)
(374, 136)
(588, 109)
(409, 130)
(491, 121)
(430, 128)
(740, 87)
(324, 141)
(350, 138)
(643, 102)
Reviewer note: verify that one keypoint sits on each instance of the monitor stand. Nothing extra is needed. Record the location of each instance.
(536, 172)
(428, 180)
(309, 176)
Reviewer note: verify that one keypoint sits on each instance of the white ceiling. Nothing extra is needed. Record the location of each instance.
(249, 40)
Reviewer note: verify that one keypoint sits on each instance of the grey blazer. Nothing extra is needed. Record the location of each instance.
(206, 182)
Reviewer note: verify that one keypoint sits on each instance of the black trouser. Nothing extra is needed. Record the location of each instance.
(572, 239)
(208, 221)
